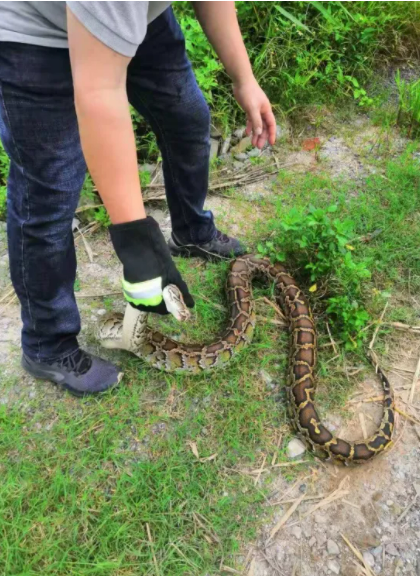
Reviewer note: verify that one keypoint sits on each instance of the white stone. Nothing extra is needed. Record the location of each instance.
(312, 542)
(239, 132)
(225, 145)
(334, 566)
(295, 448)
(392, 550)
(320, 518)
(254, 153)
(297, 532)
(101, 312)
(332, 548)
(214, 148)
(377, 552)
(369, 559)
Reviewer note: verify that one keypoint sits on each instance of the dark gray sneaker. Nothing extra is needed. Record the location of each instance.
(221, 246)
(80, 373)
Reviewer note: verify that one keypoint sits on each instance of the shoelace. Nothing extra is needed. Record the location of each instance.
(79, 362)
(222, 237)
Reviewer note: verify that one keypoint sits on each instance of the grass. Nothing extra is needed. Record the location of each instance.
(84, 481)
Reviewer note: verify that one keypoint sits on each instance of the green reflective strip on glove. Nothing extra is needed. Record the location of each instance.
(148, 293)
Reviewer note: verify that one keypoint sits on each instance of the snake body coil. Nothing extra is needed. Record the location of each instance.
(167, 354)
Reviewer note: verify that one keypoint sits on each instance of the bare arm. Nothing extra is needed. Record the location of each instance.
(220, 24)
(99, 78)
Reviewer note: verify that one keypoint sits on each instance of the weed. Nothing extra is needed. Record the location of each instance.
(319, 246)
(408, 104)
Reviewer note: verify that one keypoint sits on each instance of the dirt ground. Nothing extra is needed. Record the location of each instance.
(371, 510)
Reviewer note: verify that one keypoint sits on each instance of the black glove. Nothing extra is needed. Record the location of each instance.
(148, 266)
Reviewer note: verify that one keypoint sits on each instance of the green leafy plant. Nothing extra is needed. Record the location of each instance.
(408, 104)
(307, 52)
(319, 246)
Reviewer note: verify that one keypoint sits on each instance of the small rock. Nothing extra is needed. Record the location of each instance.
(101, 312)
(312, 542)
(239, 132)
(32, 394)
(238, 165)
(297, 532)
(215, 132)
(334, 566)
(214, 148)
(369, 559)
(321, 538)
(332, 548)
(320, 519)
(225, 145)
(377, 552)
(392, 550)
(295, 448)
(368, 541)
(242, 145)
(241, 156)
(254, 153)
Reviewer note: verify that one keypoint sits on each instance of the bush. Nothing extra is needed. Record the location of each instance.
(318, 245)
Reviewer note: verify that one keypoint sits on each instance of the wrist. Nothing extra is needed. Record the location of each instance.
(243, 79)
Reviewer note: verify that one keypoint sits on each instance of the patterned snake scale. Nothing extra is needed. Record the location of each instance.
(167, 354)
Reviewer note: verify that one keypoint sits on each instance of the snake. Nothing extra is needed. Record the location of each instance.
(131, 332)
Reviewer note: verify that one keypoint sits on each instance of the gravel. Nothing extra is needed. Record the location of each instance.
(334, 566)
(295, 448)
(332, 548)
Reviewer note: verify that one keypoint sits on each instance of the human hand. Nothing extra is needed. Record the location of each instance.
(260, 118)
(148, 266)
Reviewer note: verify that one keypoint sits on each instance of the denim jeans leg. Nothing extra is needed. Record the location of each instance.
(162, 87)
(39, 131)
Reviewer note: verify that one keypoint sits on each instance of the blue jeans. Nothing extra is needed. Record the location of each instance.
(38, 128)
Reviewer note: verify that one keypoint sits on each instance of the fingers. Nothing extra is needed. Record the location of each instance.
(262, 127)
(256, 123)
(270, 125)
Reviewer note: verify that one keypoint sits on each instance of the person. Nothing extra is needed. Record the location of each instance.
(68, 71)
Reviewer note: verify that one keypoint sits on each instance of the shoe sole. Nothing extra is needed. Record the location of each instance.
(58, 379)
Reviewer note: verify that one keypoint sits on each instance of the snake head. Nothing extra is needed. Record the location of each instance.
(175, 303)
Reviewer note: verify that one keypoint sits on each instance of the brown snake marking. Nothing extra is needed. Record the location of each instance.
(168, 354)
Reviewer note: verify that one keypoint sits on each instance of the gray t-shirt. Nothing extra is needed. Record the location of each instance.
(120, 25)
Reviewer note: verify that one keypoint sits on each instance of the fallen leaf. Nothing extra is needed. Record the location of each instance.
(209, 458)
(313, 288)
(194, 449)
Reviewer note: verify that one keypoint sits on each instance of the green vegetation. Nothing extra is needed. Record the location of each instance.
(409, 104)
(307, 52)
(350, 248)
(157, 471)
(83, 480)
